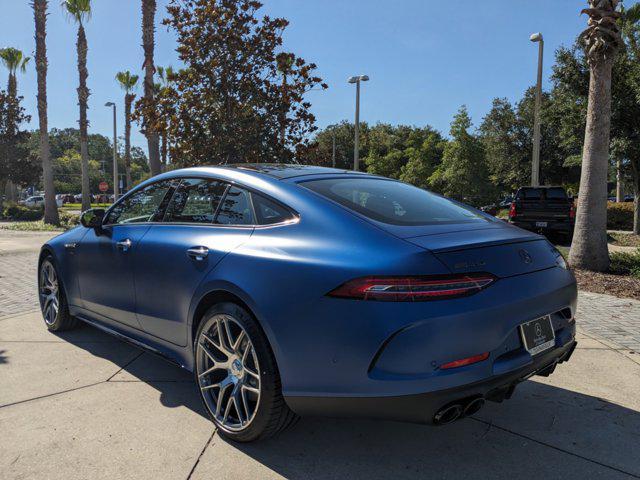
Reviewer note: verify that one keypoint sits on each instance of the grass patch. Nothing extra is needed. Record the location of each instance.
(67, 221)
(78, 206)
(624, 239)
(625, 263)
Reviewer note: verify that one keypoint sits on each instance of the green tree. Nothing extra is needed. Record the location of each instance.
(50, 206)
(80, 11)
(227, 104)
(320, 149)
(589, 249)
(423, 160)
(128, 83)
(463, 173)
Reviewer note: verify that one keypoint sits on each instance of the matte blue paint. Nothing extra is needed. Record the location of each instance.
(326, 347)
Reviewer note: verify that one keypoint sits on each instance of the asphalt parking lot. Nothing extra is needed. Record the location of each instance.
(85, 405)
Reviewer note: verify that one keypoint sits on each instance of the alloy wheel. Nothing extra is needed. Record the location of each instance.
(49, 293)
(228, 372)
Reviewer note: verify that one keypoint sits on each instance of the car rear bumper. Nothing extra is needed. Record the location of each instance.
(422, 408)
(552, 225)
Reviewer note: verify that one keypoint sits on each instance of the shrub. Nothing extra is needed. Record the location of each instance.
(625, 263)
(620, 216)
(21, 213)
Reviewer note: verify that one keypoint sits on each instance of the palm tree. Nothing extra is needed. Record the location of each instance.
(80, 11)
(148, 44)
(589, 249)
(127, 82)
(167, 75)
(50, 206)
(13, 59)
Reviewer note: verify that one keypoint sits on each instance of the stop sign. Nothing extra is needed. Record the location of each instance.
(103, 186)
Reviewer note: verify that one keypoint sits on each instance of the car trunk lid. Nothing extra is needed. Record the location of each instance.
(503, 252)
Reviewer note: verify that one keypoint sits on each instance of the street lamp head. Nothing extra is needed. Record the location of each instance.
(109, 104)
(536, 37)
(358, 78)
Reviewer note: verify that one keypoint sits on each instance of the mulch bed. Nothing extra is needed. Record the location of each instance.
(617, 285)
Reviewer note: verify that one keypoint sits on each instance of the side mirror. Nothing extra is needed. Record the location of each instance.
(92, 218)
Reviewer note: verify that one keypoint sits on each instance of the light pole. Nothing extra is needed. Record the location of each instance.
(356, 147)
(116, 189)
(535, 165)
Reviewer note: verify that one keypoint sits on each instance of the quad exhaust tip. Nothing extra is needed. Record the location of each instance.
(473, 407)
(448, 414)
(452, 412)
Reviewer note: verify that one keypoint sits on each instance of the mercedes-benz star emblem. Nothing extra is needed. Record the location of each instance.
(525, 256)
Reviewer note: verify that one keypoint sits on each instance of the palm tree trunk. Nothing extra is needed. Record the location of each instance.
(83, 98)
(12, 85)
(589, 249)
(50, 206)
(128, 99)
(148, 43)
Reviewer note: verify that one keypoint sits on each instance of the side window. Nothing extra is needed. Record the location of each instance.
(236, 208)
(143, 206)
(269, 212)
(195, 201)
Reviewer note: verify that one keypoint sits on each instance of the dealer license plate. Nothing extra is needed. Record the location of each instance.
(538, 335)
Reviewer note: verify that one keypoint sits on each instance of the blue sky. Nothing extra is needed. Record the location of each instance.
(425, 57)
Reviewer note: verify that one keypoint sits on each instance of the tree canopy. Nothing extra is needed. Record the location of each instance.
(240, 97)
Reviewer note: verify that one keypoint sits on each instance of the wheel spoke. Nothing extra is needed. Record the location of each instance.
(238, 342)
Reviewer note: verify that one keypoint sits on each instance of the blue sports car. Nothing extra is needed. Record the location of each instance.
(299, 290)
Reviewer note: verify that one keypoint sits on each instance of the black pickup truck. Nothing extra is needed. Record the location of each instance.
(543, 209)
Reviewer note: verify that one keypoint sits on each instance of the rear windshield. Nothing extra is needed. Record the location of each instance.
(556, 193)
(391, 202)
(553, 193)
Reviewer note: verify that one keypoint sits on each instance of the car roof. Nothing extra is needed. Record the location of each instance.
(285, 170)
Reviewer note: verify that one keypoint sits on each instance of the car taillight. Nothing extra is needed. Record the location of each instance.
(572, 212)
(512, 210)
(413, 288)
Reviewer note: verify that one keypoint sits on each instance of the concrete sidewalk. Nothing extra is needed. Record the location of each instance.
(85, 405)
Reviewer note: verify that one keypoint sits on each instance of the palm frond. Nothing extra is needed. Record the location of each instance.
(23, 65)
(12, 58)
(78, 10)
(127, 80)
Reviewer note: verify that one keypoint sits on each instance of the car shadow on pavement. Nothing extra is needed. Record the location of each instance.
(174, 384)
(543, 429)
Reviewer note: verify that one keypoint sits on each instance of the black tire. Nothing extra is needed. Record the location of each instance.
(272, 415)
(62, 320)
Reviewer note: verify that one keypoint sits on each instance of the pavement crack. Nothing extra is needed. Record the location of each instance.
(193, 469)
(540, 442)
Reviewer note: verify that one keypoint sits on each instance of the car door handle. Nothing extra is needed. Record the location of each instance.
(124, 245)
(198, 253)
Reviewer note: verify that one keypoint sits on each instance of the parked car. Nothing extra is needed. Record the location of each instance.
(301, 290)
(543, 209)
(35, 201)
